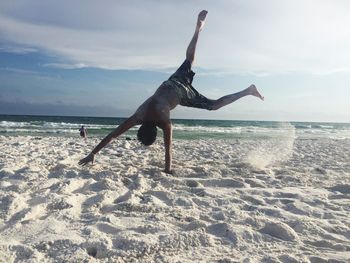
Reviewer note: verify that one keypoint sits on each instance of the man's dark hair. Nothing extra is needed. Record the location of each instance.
(147, 133)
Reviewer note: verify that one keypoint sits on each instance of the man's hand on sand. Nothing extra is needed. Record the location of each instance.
(168, 171)
(87, 159)
(201, 19)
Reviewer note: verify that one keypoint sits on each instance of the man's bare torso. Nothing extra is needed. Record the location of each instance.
(157, 107)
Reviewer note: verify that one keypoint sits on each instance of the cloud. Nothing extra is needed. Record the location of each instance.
(255, 37)
(18, 70)
(65, 66)
(17, 49)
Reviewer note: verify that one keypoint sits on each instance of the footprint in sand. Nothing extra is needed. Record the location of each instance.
(224, 182)
(59, 205)
(108, 229)
(342, 188)
(279, 230)
(192, 183)
(223, 230)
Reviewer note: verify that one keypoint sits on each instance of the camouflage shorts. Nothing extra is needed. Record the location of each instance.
(181, 81)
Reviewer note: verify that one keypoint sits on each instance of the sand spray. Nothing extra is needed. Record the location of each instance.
(275, 150)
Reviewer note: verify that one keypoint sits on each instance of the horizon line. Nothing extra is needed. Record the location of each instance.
(110, 117)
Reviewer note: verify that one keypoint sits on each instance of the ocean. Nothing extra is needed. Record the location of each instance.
(182, 128)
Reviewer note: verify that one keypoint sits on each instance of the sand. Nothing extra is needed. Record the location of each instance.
(280, 200)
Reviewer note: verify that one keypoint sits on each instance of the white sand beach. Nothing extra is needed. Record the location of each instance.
(227, 201)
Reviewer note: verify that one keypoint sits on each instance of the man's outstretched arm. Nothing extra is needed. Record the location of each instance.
(126, 125)
(167, 143)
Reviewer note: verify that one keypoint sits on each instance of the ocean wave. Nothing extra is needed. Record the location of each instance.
(38, 131)
(319, 126)
(303, 126)
(5, 124)
(52, 125)
(207, 129)
(182, 128)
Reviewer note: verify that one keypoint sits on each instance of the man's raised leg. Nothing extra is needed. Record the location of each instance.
(223, 101)
(191, 49)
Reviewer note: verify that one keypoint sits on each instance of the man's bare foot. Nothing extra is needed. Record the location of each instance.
(253, 91)
(201, 19)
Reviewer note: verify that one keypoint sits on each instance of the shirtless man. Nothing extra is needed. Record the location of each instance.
(155, 111)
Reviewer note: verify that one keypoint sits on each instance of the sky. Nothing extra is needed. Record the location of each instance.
(104, 58)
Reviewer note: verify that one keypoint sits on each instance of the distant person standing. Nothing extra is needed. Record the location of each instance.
(83, 131)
